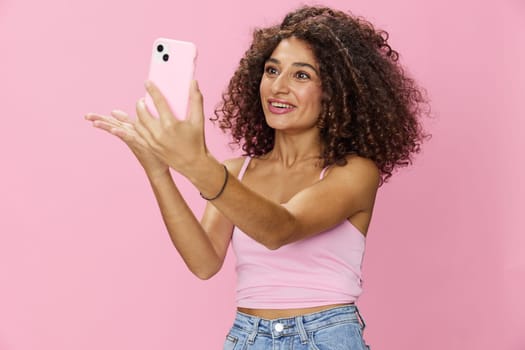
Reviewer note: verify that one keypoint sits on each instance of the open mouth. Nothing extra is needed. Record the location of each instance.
(281, 105)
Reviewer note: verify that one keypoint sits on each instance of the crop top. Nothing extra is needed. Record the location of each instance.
(319, 270)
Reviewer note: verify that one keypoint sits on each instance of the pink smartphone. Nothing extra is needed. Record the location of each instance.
(171, 69)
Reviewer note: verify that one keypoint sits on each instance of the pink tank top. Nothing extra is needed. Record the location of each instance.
(319, 270)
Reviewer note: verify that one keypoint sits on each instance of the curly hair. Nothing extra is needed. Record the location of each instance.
(370, 106)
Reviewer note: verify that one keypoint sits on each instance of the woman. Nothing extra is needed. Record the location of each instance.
(324, 114)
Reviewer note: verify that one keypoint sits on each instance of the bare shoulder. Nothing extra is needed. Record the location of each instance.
(358, 170)
(234, 165)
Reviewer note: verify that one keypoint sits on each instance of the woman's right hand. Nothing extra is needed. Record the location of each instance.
(120, 125)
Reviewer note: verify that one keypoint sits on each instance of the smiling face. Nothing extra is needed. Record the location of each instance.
(290, 88)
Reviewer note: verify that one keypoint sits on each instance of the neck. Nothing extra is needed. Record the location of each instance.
(290, 149)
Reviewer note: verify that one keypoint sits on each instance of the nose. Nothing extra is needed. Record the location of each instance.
(280, 85)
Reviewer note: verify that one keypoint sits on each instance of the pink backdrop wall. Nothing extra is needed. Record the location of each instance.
(85, 262)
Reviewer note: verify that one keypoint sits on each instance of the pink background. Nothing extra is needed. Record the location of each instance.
(85, 262)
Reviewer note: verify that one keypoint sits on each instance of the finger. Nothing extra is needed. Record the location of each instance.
(196, 103)
(143, 131)
(161, 104)
(120, 115)
(103, 121)
(145, 119)
(94, 116)
(122, 134)
(99, 124)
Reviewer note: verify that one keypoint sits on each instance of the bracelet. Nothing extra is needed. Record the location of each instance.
(222, 188)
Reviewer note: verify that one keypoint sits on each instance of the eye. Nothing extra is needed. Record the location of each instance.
(270, 70)
(302, 75)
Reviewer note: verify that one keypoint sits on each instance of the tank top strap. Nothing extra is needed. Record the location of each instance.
(323, 173)
(244, 167)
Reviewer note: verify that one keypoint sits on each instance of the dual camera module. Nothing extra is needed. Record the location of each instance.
(165, 57)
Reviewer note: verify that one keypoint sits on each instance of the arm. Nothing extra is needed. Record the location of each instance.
(196, 246)
(344, 192)
(203, 246)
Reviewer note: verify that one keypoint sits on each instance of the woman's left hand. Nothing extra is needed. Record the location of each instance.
(178, 143)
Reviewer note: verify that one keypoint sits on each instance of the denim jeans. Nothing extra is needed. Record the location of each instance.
(339, 328)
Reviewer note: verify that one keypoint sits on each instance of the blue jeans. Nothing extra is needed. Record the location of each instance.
(339, 328)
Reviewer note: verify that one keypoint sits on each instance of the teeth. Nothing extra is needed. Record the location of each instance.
(280, 105)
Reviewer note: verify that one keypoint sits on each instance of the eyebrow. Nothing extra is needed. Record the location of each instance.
(296, 64)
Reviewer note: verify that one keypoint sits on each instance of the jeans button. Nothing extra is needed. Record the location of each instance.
(278, 327)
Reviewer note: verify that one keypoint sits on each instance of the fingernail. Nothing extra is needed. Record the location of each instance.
(147, 84)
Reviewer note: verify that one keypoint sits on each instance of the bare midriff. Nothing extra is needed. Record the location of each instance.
(271, 314)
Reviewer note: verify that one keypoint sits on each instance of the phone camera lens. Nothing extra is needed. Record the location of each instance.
(165, 57)
(160, 48)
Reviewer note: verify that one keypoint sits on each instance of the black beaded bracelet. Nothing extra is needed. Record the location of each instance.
(226, 174)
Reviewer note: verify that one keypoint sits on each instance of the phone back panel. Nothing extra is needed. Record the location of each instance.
(171, 69)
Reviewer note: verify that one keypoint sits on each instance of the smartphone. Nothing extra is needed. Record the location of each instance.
(171, 69)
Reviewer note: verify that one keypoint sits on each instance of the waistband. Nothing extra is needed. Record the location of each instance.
(298, 325)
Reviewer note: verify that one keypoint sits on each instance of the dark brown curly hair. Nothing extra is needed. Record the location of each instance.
(370, 106)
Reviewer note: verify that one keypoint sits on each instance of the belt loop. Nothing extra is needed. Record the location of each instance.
(302, 331)
(360, 318)
(255, 330)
